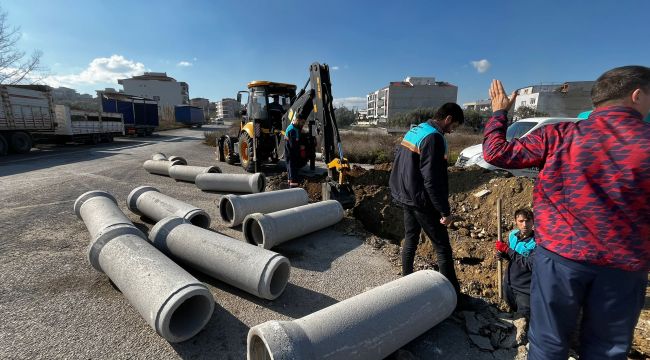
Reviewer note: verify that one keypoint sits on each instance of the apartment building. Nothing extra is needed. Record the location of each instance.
(410, 94)
(158, 86)
(227, 108)
(204, 104)
(561, 99)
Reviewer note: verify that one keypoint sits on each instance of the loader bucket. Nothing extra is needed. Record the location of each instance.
(340, 192)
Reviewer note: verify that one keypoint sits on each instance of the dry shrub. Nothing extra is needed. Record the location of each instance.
(210, 137)
(370, 148)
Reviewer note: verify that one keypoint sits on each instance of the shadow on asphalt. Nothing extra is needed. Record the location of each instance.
(224, 332)
(317, 251)
(51, 155)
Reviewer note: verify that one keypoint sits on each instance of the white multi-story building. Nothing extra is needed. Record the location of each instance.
(158, 86)
(563, 100)
(478, 105)
(410, 94)
(227, 108)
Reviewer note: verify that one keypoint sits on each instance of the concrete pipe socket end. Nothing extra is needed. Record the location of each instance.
(198, 217)
(185, 313)
(132, 199)
(179, 160)
(275, 277)
(159, 156)
(87, 196)
(227, 210)
(108, 234)
(257, 183)
(255, 230)
(275, 340)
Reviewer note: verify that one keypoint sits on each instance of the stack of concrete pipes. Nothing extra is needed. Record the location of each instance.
(174, 303)
(208, 178)
(160, 164)
(180, 232)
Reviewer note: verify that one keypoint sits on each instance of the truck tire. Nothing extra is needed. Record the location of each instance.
(246, 152)
(94, 139)
(20, 142)
(4, 146)
(229, 151)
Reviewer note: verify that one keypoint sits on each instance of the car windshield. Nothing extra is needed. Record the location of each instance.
(516, 130)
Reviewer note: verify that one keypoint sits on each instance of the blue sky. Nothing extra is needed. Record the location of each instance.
(218, 46)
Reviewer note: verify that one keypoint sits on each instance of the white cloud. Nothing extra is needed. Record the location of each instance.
(184, 64)
(99, 71)
(335, 68)
(351, 102)
(481, 66)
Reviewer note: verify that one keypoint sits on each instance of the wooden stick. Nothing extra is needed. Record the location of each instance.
(499, 238)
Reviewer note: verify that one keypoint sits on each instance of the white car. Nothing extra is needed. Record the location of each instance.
(473, 155)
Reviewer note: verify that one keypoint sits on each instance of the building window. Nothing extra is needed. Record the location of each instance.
(157, 98)
(532, 101)
(523, 103)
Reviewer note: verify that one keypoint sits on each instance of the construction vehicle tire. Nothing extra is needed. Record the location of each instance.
(229, 154)
(246, 152)
(219, 151)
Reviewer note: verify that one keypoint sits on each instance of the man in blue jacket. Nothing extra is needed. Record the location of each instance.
(519, 251)
(419, 184)
(292, 151)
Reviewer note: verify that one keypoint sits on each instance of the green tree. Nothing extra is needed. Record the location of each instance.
(524, 112)
(412, 117)
(344, 116)
(15, 66)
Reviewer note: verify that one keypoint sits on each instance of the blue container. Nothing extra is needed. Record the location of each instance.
(140, 115)
(189, 115)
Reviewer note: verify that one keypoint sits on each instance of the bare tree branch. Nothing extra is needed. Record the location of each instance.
(15, 66)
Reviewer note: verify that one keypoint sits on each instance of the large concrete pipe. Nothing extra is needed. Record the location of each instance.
(159, 156)
(371, 325)
(260, 272)
(174, 303)
(148, 201)
(189, 173)
(181, 160)
(160, 167)
(269, 230)
(234, 208)
(241, 183)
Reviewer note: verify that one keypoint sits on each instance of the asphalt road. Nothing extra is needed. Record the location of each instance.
(53, 304)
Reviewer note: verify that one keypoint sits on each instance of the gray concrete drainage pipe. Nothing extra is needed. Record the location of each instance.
(181, 160)
(189, 173)
(234, 208)
(160, 167)
(269, 230)
(159, 156)
(371, 325)
(260, 272)
(241, 183)
(174, 303)
(148, 201)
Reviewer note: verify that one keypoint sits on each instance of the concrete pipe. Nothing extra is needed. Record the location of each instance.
(189, 173)
(371, 325)
(241, 183)
(148, 201)
(174, 303)
(181, 160)
(260, 272)
(160, 167)
(234, 208)
(159, 156)
(269, 230)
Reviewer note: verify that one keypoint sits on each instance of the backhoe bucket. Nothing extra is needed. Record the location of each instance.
(341, 193)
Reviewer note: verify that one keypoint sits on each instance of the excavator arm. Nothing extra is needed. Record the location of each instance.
(316, 106)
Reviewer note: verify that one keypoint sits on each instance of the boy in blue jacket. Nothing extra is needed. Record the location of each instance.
(519, 251)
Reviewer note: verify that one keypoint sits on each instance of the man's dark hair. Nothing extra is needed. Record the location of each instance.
(620, 82)
(450, 109)
(526, 213)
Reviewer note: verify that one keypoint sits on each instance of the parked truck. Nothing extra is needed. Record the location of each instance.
(24, 111)
(140, 114)
(90, 127)
(189, 115)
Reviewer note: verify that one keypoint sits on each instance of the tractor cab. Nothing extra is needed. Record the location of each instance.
(260, 139)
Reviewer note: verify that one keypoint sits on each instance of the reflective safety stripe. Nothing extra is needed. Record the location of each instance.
(290, 128)
(414, 137)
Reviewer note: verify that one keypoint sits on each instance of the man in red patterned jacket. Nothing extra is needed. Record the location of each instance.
(592, 212)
